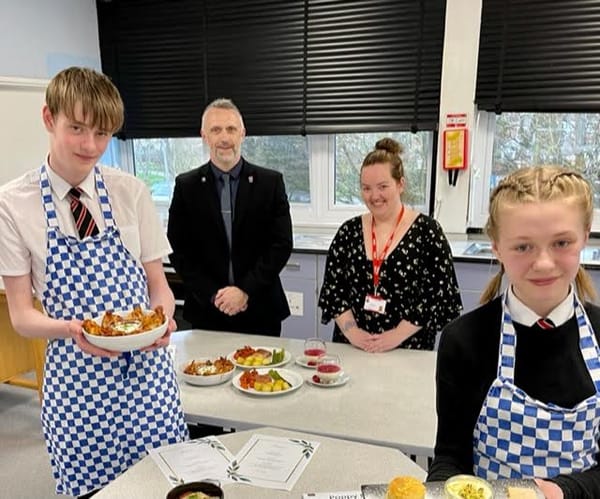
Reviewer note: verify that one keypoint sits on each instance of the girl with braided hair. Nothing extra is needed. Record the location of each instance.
(518, 379)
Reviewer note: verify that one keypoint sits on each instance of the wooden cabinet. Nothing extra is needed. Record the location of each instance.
(19, 355)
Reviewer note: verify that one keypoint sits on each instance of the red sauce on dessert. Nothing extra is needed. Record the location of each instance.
(328, 368)
(314, 352)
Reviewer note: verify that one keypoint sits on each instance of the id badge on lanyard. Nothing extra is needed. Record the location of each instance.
(374, 302)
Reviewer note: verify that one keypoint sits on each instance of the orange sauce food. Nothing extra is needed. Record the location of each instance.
(136, 321)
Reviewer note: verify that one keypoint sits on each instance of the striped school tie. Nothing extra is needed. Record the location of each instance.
(83, 218)
(545, 323)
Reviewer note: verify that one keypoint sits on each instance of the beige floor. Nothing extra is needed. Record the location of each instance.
(24, 466)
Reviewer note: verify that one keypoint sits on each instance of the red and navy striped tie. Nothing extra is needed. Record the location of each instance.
(83, 218)
(545, 323)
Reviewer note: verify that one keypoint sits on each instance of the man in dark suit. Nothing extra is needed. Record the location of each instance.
(231, 233)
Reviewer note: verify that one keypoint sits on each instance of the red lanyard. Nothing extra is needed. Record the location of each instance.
(378, 260)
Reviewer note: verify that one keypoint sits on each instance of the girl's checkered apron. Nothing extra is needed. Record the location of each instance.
(517, 436)
(100, 415)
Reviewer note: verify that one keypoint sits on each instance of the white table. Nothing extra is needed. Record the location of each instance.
(389, 399)
(336, 466)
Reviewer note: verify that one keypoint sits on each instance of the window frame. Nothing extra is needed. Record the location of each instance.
(481, 169)
(481, 173)
(321, 213)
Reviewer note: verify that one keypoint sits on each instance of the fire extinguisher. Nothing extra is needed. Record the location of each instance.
(455, 150)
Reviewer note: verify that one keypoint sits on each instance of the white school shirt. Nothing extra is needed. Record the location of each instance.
(23, 224)
(522, 314)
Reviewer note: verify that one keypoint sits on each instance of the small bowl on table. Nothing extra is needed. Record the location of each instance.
(203, 379)
(196, 490)
(128, 338)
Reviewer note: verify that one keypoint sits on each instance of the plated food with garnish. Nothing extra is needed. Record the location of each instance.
(468, 487)
(206, 371)
(126, 330)
(267, 382)
(259, 356)
(456, 487)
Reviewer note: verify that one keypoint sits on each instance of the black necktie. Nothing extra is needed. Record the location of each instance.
(227, 218)
(83, 218)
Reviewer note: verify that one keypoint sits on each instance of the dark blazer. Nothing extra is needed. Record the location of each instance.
(261, 246)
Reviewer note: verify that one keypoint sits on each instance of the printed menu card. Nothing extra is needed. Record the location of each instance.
(264, 461)
(194, 460)
(272, 462)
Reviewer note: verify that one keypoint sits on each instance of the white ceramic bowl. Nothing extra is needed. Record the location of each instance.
(126, 342)
(204, 380)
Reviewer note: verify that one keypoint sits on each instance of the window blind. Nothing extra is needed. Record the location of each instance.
(291, 66)
(154, 52)
(539, 55)
(255, 56)
(373, 65)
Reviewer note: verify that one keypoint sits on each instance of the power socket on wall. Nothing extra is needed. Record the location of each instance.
(296, 302)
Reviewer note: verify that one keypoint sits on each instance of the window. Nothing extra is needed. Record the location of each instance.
(350, 149)
(537, 68)
(321, 172)
(510, 141)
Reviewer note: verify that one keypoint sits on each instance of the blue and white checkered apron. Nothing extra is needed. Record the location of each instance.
(517, 436)
(100, 415)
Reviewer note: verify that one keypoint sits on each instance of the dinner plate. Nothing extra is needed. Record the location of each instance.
(291, 377)
(206, 380)
(340, 382)
(301, 361)
(286, 358)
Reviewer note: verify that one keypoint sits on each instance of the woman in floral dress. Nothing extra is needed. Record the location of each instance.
(389, 279)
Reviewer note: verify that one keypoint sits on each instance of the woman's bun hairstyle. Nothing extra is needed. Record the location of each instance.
(389, 145)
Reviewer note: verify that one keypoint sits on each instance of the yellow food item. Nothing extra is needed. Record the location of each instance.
(470, 491)
(405, 487)
(467, 487)
(520, 493)
(195, 495)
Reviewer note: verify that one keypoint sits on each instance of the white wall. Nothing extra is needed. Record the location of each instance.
(23, 139)
(459, 74)
(38, 38)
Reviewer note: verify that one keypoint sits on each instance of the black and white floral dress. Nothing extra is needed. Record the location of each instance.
(417, 279)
